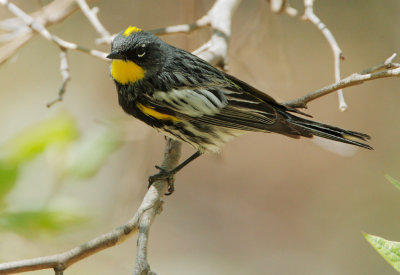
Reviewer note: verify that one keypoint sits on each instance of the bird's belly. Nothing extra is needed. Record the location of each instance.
(204, 138)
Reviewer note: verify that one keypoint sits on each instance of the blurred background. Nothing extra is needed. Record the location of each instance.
(266, 204)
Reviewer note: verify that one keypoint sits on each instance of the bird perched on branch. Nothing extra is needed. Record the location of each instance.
(188, 99)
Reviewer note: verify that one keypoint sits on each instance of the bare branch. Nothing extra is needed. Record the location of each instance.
(219, 17)
(388, 64)
(390, 70)
(279, 6)
(171, 158)
(91, 15)
(141, 222)
(184, 28)
(337, 52)
(18, 33)
(215, 50)
(60, 262)
(40, 28)
(64, 69)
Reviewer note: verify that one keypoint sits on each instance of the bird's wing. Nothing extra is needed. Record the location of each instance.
(220, 102)
(191, 101)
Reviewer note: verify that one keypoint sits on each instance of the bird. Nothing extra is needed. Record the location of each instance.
(187, 99)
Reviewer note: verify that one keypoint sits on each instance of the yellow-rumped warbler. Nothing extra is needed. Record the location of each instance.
(188, 99)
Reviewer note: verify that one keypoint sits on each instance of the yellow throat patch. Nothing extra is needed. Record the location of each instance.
(130, 30)
(126, 72)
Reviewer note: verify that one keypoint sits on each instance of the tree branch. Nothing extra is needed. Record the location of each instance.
(171, 158)
(21, 33)
(386, 69)
(64, 69)
(279, 6)
(35, 25)
(215, 51)
(41, 29)
(184, 28)
(60, 262)
(91, 15)
(141, 222)
(337, 52)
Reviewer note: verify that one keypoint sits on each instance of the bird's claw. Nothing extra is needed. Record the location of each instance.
(163, 175)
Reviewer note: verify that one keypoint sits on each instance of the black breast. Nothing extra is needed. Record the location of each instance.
(129, 97)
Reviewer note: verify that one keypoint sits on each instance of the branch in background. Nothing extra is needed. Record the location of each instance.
(215, 51)
(337, 52)
(279, 6)
(32, 24)
(386, 69)
(18, 33)
(388, 64)
(183, 28)
(219, 17)
(64, 69)
(41, 29)
(91, 15)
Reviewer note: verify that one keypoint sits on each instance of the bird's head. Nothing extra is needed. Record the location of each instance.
(136, 54)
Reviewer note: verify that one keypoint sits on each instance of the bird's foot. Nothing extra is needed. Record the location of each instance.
(164, 175)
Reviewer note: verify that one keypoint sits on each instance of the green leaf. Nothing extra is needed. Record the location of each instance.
(60, 130)
(389, 250)
(8, 178)
(34, 222)
(393, 181)
(90, 153)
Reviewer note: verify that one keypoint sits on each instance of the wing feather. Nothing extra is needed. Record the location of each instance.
(225, 103)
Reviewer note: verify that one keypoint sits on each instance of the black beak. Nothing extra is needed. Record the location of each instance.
(115, 56)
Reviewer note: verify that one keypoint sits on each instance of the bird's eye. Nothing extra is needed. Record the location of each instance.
(141, 51)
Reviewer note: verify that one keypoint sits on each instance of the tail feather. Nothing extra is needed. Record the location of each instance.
(330, 132)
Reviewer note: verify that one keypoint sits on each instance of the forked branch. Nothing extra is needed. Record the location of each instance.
(337, 52)
(384, 70)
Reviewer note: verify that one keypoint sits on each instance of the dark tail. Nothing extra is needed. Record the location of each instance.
(307, 127)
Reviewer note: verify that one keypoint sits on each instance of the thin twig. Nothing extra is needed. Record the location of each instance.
(38, 27)
(388, 64)
(337, 52)
(352, 80)
(41, 29)
(64, 69)
(17, 33)
(280, 6)
(183, 28)
(91, 15)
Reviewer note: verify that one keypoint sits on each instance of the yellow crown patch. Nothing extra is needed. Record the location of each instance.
(130, 30)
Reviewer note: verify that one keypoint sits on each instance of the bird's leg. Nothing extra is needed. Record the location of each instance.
(163, 174)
